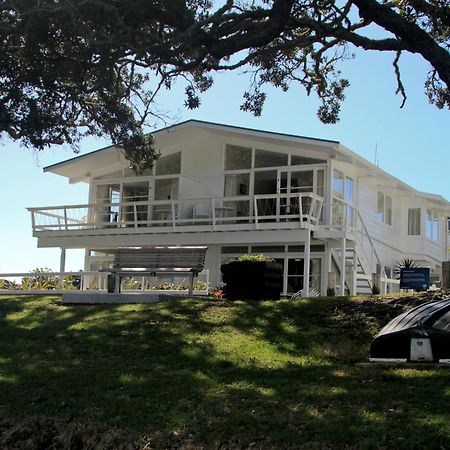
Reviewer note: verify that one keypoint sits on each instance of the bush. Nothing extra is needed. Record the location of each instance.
(8, 285)
(36, 282)
(255, 258)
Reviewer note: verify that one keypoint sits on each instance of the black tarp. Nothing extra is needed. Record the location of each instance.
(428, 321)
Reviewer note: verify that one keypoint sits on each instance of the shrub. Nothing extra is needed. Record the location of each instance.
(406, 263)
(255, 258)
(38, 282)
(200, 286)
(8, 285)
(217, 293)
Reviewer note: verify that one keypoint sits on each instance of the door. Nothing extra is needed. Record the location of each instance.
(135, 196)
(108, 201)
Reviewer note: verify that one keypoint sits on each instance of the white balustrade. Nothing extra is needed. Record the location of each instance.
(221, 213)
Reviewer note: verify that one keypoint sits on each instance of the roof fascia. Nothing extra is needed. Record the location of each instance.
(215, 127)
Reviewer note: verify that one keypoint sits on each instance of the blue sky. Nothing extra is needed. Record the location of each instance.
(413, 144)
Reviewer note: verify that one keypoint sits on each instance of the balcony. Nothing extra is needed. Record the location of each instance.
(274, 211)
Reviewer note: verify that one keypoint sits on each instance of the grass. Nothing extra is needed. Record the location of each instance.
(189, 374)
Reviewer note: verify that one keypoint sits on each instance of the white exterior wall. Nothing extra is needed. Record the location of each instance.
(202, 176)
(201, 166)
(392, 241)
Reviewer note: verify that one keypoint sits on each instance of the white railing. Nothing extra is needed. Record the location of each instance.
(243, 212)
(60, 282)
(54, 282)
(344, 217)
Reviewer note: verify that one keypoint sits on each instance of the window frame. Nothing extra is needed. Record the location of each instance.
(409, 225)
(253, 169)
(431, 225)
(385, 212)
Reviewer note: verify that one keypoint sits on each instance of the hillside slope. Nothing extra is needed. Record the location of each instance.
(210, 374)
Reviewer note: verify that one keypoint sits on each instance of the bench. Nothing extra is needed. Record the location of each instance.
(152, 261)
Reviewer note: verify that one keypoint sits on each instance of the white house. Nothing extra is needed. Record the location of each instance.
(240, 190)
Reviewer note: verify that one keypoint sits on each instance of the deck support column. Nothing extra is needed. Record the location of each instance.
(306, 263)
(354, 271)
(342, 274)
(62, 265)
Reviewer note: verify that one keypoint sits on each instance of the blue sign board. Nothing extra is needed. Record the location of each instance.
(417, 278)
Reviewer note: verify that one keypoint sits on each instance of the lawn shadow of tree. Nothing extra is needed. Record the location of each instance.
(212, 373)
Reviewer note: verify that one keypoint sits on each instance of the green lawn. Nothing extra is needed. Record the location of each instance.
(198, 373)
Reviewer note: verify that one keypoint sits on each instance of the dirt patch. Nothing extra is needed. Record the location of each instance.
(382, 309)
(39, 433)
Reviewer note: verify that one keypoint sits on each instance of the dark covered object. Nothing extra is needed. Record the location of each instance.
(252, 280)
(427, 325)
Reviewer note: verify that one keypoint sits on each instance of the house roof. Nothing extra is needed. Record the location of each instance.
(210, 126)
(79, 167)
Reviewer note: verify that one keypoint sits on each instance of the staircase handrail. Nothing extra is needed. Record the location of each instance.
(373, 249)
(345, 227)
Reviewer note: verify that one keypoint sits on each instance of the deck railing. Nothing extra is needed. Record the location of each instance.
(243, 212)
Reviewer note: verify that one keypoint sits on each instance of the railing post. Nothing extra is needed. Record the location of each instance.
(300, 207)
(33, 220)
(354, 272)
(354, 282)
(172, 206)
(213, 213)
(255, 204)
(135, 215)
(319, 210)
(65, 219)
(306, 262)
(342, 274)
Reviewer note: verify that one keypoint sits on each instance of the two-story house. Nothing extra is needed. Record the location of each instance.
(328, 215)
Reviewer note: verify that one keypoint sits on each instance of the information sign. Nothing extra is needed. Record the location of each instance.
(417, 278)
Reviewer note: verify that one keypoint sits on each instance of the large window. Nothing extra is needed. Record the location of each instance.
(384, 209)
(349, 190)
(168, 165)
(338, 184)
(238, 158)
(432, 225)
(302, 160)
(236, 184)
(414, 221)
(343, 199)
(253, 171)
(291, 258)
(265, 158)
(166, 189)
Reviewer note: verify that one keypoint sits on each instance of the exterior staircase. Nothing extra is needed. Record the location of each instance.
(358, 275)
(360, 260)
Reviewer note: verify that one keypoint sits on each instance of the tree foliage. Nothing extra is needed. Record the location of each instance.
(71, 68)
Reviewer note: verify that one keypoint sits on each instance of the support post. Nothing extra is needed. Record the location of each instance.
(306, 263)
(326, 269)
(446, 274)
(191, 284)
(376, 282)
(329, 194)
(62, 265)
(342, 274)
(331, 288)
(354, 271)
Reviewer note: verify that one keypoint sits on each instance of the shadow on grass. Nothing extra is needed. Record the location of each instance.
(266, 374)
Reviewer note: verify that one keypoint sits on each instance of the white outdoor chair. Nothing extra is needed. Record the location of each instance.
(301, 294)
(201, 211)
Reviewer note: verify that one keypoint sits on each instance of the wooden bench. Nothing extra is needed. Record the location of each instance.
(152, 261)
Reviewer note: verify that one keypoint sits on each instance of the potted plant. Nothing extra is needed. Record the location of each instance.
(252, 277)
